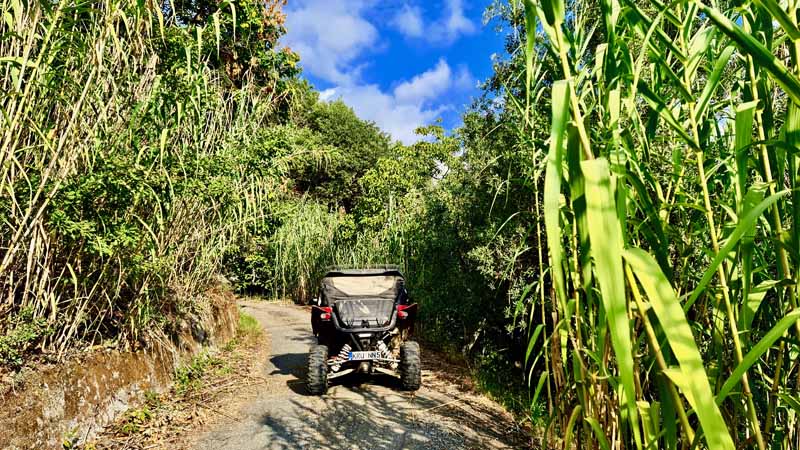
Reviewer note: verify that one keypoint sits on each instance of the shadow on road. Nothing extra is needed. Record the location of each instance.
(368, 420)
(294, 364)
(378, 379)
(290, 364)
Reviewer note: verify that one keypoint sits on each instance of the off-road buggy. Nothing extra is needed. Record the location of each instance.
(363, 319)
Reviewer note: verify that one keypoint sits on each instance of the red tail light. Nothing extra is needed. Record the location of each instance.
(327, 311)
(401, 313)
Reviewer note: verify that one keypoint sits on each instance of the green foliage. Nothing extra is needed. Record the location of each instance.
(670, 141)
(129, 181)
(242, 37)
(23, 332)
(136, 419)
(497, 376)
(615, 222)
(70, 439)
(360, 144)
(247, 327)
(190, 377)
(285, 258)
(404, 172)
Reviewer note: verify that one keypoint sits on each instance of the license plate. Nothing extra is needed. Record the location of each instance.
(360, 356)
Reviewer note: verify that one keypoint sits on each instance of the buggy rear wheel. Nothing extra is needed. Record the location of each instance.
(410, 369)
(317, 376)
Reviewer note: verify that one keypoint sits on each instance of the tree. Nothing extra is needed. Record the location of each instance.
(359, 145)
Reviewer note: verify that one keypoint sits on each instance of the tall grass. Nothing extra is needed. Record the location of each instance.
(312, 239)
(119, 191)
(671, 218)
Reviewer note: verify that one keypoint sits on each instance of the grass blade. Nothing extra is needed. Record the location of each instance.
(552, 187)
(748, 44)
(742, 228)
(681, 340)
(757, 352)
(606, 238)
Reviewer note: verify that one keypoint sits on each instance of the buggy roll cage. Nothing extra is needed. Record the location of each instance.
(356, 270)
(344, 271)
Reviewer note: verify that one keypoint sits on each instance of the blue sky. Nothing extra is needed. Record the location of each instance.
(399, 63)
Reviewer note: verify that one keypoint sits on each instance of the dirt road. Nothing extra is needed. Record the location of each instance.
(357, 413)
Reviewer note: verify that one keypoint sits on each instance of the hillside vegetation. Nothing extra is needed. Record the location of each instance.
(611, 239)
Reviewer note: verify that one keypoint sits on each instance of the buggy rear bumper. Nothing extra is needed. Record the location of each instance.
(335, 362)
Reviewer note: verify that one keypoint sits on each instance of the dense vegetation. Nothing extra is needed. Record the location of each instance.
(144, 149)
(611, 238)
(670, 212)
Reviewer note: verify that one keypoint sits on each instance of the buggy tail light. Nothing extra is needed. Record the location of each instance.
(327, 311)
(401, 311)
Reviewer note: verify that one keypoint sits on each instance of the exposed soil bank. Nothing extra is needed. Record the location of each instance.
(85, 393)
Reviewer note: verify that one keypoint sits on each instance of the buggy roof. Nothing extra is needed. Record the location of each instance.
(384, 282)
(386, 269)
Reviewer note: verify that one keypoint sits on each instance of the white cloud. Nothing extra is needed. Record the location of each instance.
(409, 21)
(395, 117)
(425, 86)
(445, 30)
(330, 35)
(409, 106)
(464, 80)
(332, 38)
(456, 22)
(327, 94)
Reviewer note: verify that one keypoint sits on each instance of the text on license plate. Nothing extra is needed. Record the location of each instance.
(358, 356)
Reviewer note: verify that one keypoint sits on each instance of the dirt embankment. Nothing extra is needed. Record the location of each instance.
(43, 405)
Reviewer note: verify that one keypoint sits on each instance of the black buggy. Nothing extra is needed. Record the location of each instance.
(362, 320)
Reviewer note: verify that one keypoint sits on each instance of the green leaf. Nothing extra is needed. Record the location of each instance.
(605, 235)
(530, 34)
(753, 197)
(530, 49)
(217, 33)
(756, 352)
(753, 303)
(761, 55)
(780, 16)
(571, 426)
(552, 187)
(744, 225)
(532, 341)
(17, 60)
(693, 379)
(658, 104)
(598, 433)
(700, 43)
(553, 12)
(635, 14)
(790, 400)
(744, 136)
(542, 380)
(713, 80)
(647, 413)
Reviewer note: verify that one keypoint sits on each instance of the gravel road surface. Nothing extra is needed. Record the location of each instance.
(358, 412)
